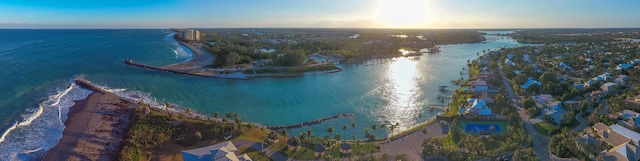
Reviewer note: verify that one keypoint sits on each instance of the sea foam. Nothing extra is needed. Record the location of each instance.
(180, 51)
(41, 129)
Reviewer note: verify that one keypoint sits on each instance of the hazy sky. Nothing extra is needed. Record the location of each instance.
(319, 13)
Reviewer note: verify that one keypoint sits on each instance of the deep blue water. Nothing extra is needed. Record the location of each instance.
(38, 66)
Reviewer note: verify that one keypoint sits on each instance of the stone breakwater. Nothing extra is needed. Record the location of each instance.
(312, 122)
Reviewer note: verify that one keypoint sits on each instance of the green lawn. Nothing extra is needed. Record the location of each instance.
(363, 148)
(544, 127)
(254, 154)
(502, 125)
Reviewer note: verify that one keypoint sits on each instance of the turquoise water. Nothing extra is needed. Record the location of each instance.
(38, 66)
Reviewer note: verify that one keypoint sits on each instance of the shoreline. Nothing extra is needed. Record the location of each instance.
(94, 129)
(197, 66)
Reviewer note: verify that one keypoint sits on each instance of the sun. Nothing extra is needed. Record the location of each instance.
(403, 13)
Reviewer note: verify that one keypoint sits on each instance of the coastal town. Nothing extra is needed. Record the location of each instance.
(556, 100)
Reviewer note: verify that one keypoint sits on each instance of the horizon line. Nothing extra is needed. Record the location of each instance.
(321, 28)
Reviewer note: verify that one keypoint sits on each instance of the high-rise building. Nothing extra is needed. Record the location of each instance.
(191, 34)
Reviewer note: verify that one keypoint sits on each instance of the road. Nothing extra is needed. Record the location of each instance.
(540, 142)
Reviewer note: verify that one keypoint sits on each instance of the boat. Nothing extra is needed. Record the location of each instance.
(442, 87)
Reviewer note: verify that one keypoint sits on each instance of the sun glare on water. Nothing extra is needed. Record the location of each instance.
(403, 13)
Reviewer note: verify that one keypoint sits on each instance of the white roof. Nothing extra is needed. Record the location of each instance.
(479, 103)
(225, 149)
(625, 132)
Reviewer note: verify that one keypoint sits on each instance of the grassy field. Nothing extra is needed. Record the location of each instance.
(544, 127)
(502, 125)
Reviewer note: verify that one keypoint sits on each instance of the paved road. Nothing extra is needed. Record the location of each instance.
(540, 142)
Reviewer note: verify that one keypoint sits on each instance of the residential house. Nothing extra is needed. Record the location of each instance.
(632, 118)
(479, 86)
(543, 100)
(624, 141)
(621, 80)
(509, 62)
(623, 66)
(578, 86)
(608, 87)
(526, 58)
(589, 82)
(478, 106)
(603, 77)
(555, 105)
(596, 96)
(635, 99)
(219, 152)
(485, 75)
(564, 66)
(529, 83)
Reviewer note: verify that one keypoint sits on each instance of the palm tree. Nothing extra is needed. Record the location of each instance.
(309, 133)
(337, 137)
(216, 115)
(353, 136)
(302, 136)
(374, 127)
(344, 127)
(330, 130)
(284, 132)
(353, 125)
(228, 115)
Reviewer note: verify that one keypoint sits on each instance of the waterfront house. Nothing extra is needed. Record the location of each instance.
(219, 152)
(624, 141)
(485, 75)
(479, 86)
(478, 106)
(608, 87)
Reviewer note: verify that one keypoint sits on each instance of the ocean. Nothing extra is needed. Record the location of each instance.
(38, 68)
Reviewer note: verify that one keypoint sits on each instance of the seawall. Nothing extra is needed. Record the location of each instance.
(312, 122)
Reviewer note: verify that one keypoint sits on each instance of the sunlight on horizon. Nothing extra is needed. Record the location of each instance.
(403, 13)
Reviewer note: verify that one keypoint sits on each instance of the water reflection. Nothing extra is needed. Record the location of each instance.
(401, 75)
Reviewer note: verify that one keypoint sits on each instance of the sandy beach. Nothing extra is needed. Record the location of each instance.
(94, 129)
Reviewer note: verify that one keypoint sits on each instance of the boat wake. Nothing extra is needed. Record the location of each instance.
(41, 129)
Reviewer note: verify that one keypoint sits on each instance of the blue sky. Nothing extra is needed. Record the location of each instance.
(319, 13)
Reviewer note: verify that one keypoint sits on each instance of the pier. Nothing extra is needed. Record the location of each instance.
(313, 122)
(130, 62)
